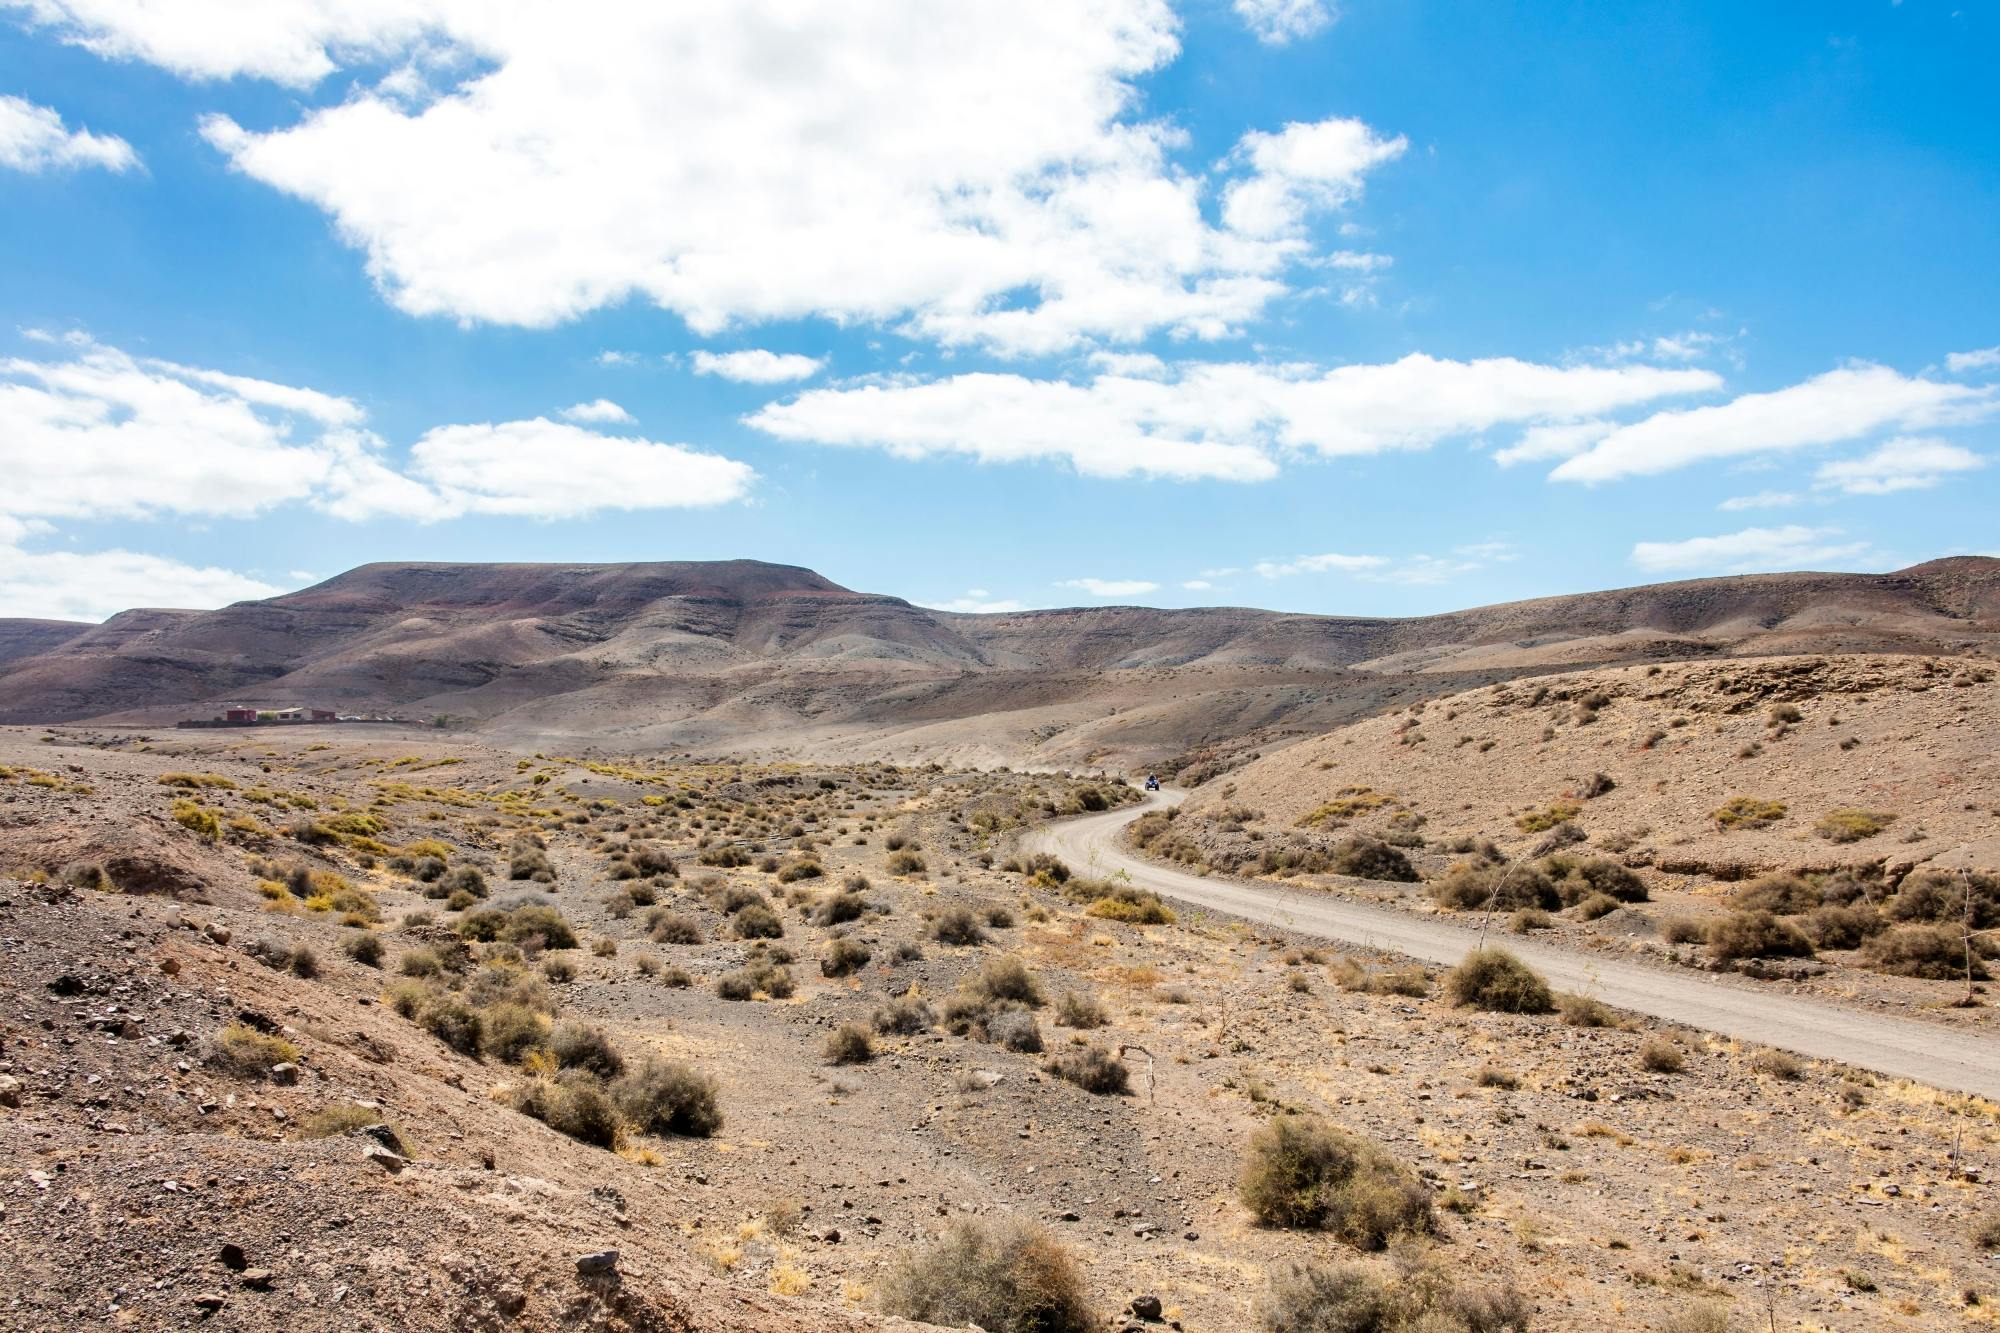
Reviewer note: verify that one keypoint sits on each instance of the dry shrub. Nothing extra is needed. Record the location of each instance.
(1371, 858)
(904, 1017)
(1471, 885)
(673, 928)
(1935, 953)
(1304, 1172)
(1581, 1011)
(1658, 1056)
(957, 926)
(758, 922)
(1004, 980)
(1781, 892)
(668, 1097)
(1845, 826)
(578, 1045)
(1576, 878)
(1350, 1298)
(1747, 812)
(573, 1103)
(1080, 1011)
(844, 956)
(1495, 980)
(1092, 1068)
(1757, 935)
(1833, 927)
(1778, 1064)
(244, 1050)
(849, 1044)
(511, 1030)
(1007, 1276)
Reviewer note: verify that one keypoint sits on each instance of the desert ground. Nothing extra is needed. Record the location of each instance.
(340, 1027)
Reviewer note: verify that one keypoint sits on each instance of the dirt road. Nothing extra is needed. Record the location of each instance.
(1898, 1047)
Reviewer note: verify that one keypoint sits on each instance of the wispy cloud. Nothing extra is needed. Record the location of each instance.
(1908, 463)
(1110, 587)
(756, 366)
(33, 138)
(1761, 500)
(1753, 549)
(977, 601)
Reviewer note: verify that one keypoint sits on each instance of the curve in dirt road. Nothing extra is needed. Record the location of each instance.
(1898, 1047)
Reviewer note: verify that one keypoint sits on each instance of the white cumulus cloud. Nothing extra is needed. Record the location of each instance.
(1985, 358)
(77, 585)
(1227, 421)
(1300, 169)
(34, 138)
(756, 366)
(601, 410)
(1793, 546)
(976, 172)
(96, 433)
(1907, 463)
(548, 469)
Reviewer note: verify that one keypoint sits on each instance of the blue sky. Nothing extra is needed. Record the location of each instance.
(1385, 310)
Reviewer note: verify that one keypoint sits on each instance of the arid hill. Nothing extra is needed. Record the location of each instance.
(778, 660)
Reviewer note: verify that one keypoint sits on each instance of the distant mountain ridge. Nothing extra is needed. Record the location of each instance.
(742, 653)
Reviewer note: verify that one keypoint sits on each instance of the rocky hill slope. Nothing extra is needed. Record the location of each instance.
(747, 655)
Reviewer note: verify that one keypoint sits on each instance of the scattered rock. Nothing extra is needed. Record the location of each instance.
(597, 1263)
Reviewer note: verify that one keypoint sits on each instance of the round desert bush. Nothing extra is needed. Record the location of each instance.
(1496, 980)
(464, 879)
(1940, 896)
(510, 1030)
(1092, 1068)
(1783, 893)
(793, 871)
(578, 1045)
(905, 863)
(1007, 1276)
(1080, 1011)
(1578, 877)
(1015, 1030)
(903, 1017)
(1597, 905)
(1330, 1298)
(957, 925)
(1936, 953)
(534, 922)
(1658, 1056)
(1757, 935)
(673, 928)
(849, 1044)
(1581, 1011)
(452, 1021)
(758, 922)
(1304, 1172)
(844, 956)
(364, 948)
(1004, 979)
(1469, 885)
(840, 909)
(1843, 927)
(573, 1103)
(1371, 858)
(668, 1097)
